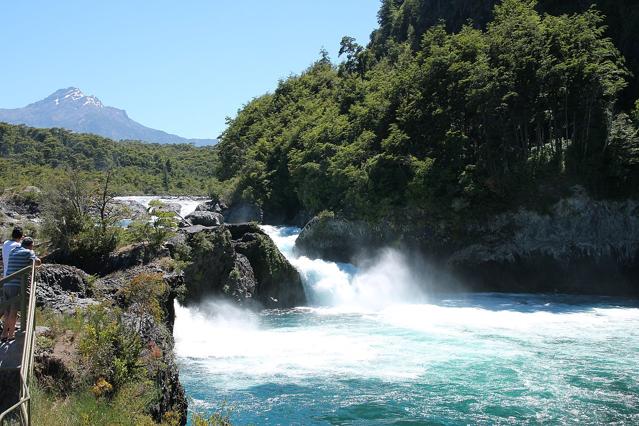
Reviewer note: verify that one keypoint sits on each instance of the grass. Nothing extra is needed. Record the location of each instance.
(127, 407)
(59, 323)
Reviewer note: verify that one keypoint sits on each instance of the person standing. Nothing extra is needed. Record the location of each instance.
(20, 257)
(16, 238)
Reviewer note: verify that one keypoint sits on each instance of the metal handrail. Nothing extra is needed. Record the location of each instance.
(27, 324)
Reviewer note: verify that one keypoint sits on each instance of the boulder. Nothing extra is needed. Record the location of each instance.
(168, 207)
(213, 259)
(279, 285)
(205, 218)
(209, 206)
(242, 263)
(341, 240)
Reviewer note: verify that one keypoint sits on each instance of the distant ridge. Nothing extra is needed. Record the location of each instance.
(73, 110)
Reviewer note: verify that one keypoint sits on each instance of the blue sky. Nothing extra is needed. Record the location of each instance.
(178, 66)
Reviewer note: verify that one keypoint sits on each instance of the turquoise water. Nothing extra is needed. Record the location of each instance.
(375, 348)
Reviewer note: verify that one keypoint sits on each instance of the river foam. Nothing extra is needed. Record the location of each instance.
(375, 347)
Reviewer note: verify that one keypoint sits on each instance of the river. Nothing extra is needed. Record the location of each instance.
(374, 347)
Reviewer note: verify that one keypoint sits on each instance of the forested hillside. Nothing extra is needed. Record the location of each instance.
(429, 121)
(30, 156)
(407, 20)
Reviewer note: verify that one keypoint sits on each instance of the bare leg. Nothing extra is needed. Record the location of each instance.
(11, 323)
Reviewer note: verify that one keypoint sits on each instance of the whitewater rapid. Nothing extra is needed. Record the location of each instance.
(187, 204)
(375, 347)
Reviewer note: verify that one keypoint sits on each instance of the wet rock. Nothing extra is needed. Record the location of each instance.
(205, 218)
(242, 263)
(579, 246)
(341, 240)
(209, 206)
(279, 285)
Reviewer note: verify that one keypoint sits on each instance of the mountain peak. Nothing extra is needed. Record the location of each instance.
(73, 95)
(71, 109)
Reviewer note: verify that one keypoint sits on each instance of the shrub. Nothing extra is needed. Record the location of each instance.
(80, 218)
(144, 293)
(158, 230)
(109, 351)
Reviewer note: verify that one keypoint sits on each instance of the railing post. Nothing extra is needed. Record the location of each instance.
(23, 302)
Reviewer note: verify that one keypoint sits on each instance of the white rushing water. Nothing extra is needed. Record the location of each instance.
(374, 347)
(187, 204)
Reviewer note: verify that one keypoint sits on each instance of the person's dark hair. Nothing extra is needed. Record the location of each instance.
(16, 233)
(27, 242)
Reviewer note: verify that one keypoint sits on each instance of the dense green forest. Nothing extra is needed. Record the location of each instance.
(30, 156)
(407, 21)
(434, 119)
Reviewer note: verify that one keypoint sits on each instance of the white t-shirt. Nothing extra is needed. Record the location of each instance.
(6, 249)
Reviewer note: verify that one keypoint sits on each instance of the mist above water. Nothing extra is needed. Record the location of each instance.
(385, 279)
(374, 346)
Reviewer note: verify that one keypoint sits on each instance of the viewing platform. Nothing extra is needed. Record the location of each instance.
(16, 356)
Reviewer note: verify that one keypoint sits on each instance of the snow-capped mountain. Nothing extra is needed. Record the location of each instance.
(73, 110)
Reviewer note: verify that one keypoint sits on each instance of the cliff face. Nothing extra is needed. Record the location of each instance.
(242, 263)
(580, 245)
(148, 320)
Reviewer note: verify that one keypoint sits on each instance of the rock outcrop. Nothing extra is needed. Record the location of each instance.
(132, 209)
(242, 212)
(205, 218)
(579, 245)
(63, 288)
(241, 262)
(341, 240)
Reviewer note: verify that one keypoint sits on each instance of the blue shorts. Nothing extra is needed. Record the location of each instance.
(8, 293)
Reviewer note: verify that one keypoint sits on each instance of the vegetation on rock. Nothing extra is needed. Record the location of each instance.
(442, 124)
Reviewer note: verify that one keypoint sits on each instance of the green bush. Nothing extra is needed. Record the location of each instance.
(157, 231)
(144, 293)
(109, 351)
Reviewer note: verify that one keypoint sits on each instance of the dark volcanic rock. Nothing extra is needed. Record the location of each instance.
(124, 258)
(155, 334)
(63, 277)
(158, 342)
(213, 260)
(341, 240)
(62, 288)
(243, 263)
(580, 246)
(209, 206)
(205, 218)
(279, 283)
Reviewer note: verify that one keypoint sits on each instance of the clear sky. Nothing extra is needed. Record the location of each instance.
(177, 66)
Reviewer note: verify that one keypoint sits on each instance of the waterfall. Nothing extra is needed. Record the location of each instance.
(386, 280)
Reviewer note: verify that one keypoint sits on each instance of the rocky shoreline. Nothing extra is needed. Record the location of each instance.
(578, 246)
(234, 261)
